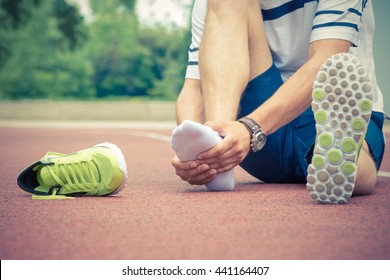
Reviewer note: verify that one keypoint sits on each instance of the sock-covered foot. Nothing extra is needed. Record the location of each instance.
(190, 139)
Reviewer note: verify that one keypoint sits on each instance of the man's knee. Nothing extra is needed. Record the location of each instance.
(226, 6)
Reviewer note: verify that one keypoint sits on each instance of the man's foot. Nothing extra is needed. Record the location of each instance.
(190, 139)
(342, 109)
(97, 171)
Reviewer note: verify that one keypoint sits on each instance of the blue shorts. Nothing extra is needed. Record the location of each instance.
(288, 151)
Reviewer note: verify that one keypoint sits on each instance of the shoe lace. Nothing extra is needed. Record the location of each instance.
(74, 173)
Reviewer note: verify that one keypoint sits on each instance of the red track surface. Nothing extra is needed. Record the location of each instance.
(159, 217)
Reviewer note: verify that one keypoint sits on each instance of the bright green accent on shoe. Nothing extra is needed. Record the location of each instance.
(348, 145)
(54, 196)
(318, 94)
(358, 124)
(93, 171)
(365, 105)
(326, 140)
(318, 161)
(50, 197)
(348, 168)
(100, 170)
(335, 156)
(70, 174)
(321, 116)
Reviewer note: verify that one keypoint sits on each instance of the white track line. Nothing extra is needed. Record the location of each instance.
(125, 125)
(150, 135)
(161, 137)
(384, 174)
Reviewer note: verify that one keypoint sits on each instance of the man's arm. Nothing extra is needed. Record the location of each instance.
(294, 96)
(291, 99)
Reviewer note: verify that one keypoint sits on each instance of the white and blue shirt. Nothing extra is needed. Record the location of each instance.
(291, 25)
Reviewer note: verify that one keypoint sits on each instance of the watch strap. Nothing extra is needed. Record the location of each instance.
(250, 124)
(255, 130)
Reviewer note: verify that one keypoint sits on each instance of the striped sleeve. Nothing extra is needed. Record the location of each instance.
(338, 19)
(193, 64)
(198, 19)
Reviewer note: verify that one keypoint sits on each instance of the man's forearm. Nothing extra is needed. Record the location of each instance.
(291, 99)
(295, 95)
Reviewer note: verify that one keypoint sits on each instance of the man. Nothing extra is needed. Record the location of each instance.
(250, 77)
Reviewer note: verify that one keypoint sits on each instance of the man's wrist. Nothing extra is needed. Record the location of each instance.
(258, 137)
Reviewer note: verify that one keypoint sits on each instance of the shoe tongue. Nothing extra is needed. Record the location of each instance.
(46, 177)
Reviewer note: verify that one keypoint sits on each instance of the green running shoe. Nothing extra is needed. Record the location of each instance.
(342, 110)
(97, 171)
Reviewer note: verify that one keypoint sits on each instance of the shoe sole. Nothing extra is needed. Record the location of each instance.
(121, 163)
(342, 110)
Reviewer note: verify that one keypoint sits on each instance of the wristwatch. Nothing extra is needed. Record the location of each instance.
(258, 136)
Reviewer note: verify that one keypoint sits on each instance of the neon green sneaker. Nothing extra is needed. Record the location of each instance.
(342, 110)
(97, 171)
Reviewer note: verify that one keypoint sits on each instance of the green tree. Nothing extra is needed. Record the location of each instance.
(40, 63)
(13, 14)
(169, 54)
(131, 60)
(70, 23)
(122, 67)
(47, 50)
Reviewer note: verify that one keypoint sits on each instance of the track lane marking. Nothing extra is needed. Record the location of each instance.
(161, 137)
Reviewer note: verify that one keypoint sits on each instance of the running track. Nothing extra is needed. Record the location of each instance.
(159, 217)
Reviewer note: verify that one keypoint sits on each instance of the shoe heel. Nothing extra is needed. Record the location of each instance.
(121, 163)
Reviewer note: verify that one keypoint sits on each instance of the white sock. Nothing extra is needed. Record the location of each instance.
(189, 139)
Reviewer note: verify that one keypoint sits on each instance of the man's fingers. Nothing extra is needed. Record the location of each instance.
(192, 173)
(225, 166)
(185, 165)
(203, 178)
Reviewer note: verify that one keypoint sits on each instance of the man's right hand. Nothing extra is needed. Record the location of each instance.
(192, 172)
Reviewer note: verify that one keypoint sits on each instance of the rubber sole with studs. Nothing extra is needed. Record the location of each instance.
(342, 110)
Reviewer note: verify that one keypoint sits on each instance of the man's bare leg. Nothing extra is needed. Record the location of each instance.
(366, 173)
(233, 50)
(190, 105)
(223, 83)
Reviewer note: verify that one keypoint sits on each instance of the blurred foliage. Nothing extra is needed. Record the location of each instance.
(48, 50)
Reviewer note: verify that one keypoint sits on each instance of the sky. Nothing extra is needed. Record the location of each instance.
(170, 11)
(166, 12)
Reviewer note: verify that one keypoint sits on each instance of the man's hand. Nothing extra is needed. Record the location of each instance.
(231, 151)
(193, 172)
(226, 155)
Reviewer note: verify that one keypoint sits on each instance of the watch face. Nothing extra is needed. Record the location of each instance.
(258, 141)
